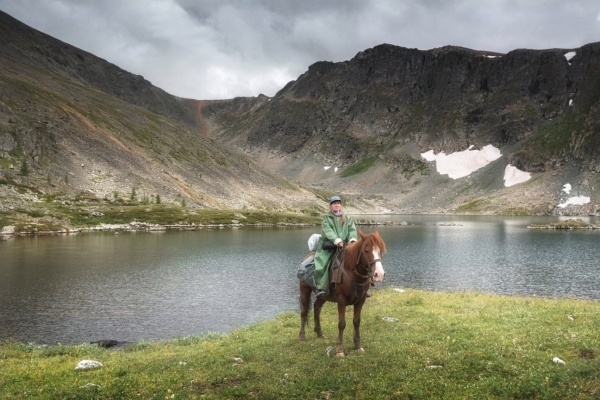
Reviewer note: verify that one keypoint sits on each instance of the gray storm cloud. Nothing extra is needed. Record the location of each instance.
(217, 49)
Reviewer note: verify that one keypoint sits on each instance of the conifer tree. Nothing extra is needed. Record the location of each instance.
(24, 168)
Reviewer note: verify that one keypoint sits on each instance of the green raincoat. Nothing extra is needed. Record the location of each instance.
(332, 230)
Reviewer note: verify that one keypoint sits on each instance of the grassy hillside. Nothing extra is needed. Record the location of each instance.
(418, 345)
(61, 142)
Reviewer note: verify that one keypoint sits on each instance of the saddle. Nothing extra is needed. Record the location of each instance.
(306, 269)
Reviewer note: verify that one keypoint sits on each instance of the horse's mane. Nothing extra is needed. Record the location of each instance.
(353, 250)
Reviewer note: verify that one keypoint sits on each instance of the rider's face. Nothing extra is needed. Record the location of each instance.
(336, 206)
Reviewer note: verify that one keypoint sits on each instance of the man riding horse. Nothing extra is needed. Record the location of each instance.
(339, 229)
(360, 266)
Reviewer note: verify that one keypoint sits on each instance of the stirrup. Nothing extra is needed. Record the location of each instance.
(321, 293)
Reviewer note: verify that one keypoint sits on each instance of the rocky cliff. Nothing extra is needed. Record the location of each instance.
(389, 104)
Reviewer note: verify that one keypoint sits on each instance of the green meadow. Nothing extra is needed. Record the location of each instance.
(418, 345)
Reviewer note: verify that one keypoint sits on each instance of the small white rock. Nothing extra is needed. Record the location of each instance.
(237, 359)
(390, 319)
(558, 360)
(88, 364)
(399, 290)
(182, 363)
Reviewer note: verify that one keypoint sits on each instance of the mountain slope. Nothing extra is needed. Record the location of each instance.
(379, 111)
(74, 126)
(30, 47)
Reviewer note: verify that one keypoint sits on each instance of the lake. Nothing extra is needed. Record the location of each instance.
(150, 286)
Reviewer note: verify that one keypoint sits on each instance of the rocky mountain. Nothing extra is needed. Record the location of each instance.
(74, 127)
(374, 115)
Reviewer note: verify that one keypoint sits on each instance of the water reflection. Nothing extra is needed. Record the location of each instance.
(496, 255)
(135, 286)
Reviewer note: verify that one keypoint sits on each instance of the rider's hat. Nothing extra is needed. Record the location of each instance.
(335, 198)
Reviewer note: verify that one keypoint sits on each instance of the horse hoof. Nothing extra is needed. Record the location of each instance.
(302, 340)
(322, 336)
(342, 354)
(360, 350)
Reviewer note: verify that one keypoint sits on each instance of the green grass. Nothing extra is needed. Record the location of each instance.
(568, 224)
(5, 163)
(514, 211)
(551, 142)
(409, 167)
(417, 345)
(473, 206)
(358, 167)
(19, 187)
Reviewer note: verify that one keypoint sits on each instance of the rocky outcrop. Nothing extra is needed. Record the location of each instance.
(378, 111)
(444, 99)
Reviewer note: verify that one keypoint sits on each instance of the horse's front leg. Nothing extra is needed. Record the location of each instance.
(339, 350)
(318, 305)
(356, 321)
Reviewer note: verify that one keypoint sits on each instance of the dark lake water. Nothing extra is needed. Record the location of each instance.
(150, 286)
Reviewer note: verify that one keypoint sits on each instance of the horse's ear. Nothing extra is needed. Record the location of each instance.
(362, 235)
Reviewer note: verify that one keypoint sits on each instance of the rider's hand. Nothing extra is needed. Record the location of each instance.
(341, 244)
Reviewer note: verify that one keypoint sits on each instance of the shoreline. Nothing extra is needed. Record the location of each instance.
(565, 225)
(146, 227)
(117, 345)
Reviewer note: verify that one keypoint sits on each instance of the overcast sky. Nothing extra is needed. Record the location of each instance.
(216, 49)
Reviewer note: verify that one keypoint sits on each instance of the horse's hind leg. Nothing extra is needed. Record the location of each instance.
(305, 292)
(318, 305)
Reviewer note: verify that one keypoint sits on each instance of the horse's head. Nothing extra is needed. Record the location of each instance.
(372, 249)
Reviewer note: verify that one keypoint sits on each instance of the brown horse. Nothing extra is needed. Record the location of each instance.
(361, 265)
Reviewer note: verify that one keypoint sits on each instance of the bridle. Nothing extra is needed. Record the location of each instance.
(360, 287)
(369, 267)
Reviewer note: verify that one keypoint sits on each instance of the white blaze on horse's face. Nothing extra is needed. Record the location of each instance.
(379, 272)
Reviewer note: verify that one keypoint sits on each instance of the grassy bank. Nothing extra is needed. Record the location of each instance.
(56, 217)
(418, 345)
